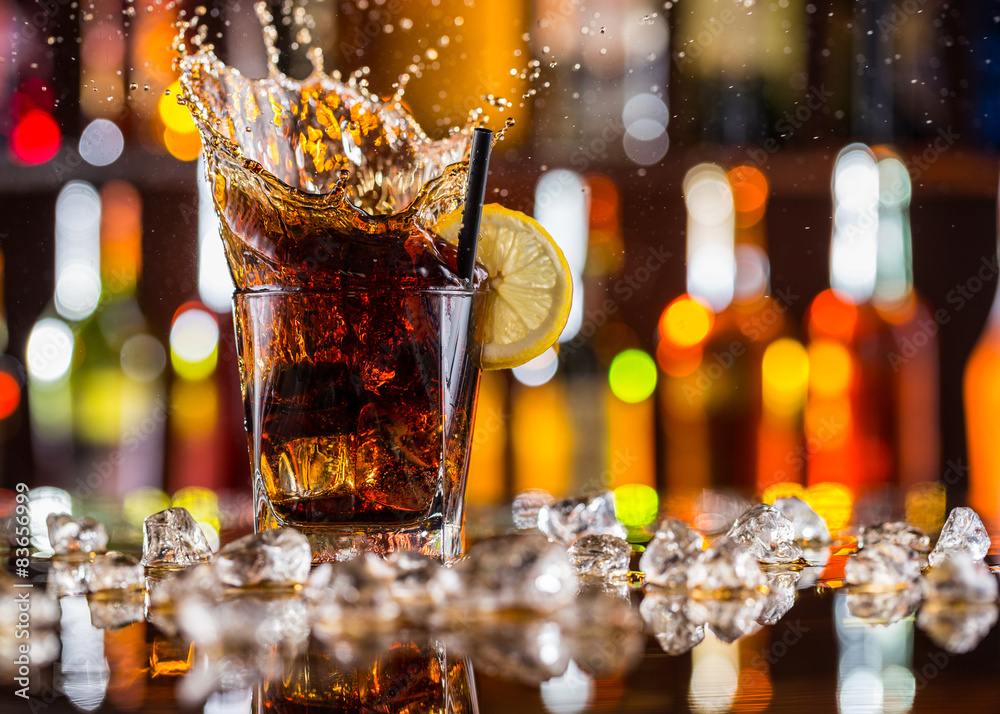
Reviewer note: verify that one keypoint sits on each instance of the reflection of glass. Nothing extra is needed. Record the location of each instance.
(405, 677)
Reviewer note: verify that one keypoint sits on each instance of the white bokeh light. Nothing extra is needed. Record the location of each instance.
(562, 206)
(711, 226)
(854, 248)
(50, 350)
(194, 336)
(215, 284)
(101, 143)
(78, 291)
(537, 371)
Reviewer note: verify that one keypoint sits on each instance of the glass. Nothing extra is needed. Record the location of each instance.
(359, 405)
(358, 363)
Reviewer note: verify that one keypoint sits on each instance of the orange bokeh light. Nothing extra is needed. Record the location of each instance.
(830, 316)
(686, 322)
(10, 395)
(750, 191)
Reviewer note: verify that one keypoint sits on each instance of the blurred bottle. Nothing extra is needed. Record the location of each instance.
(204, 396)
(118, 394)
(873, 380)
(982, 404)
(604, 75)
(51, 345)
(914, 361)
(744, 71)
(714, 339)
(11, 386)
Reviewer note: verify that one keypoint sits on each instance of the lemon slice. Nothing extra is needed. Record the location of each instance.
(529, 284)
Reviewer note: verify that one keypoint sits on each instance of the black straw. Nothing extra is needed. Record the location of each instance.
(475, 194)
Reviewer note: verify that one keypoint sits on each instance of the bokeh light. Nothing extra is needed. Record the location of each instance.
(194, 342)
(830, 368)
(35, 138)
(636, 504)
(10, 394)
(833, 501)
(785, 371)
(537, 371)
(830, 316)
(175, 116)
(750, 192)
(632, 376)
(50, 350)
(686, 322)
(101, 143)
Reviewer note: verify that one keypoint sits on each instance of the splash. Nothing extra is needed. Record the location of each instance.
(293, 162)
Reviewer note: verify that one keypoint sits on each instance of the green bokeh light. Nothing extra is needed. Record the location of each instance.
(632, 376)
(636, 505)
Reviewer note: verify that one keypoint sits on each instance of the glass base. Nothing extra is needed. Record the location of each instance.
(432, 537)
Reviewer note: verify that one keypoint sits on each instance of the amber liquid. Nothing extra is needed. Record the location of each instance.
(357, 401)
(406, 678)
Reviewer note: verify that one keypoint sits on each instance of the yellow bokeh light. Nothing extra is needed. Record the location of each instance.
(834, 502)
(201, 503)
(785, 371)
(185, 147)
(143, 502)
(686, 322)
(830, 368)
(782, 490)
(176, 117)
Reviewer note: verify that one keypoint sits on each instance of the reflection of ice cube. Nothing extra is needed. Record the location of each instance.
(728, 618)
(601, 556)
(68, 576)
(119, 610)
(780, 596)
(957, 628)
(963, 532)
(68, 535)
(665, 617)
(172, 537)
(116, 571)
(883, 607)
(280, 556)
(883, 565)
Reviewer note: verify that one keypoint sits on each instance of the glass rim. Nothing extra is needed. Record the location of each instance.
(266, 291)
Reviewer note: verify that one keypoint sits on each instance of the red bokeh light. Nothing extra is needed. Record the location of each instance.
(36, 137)
(10, 395)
